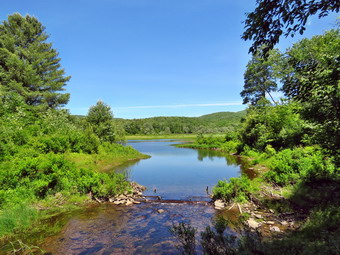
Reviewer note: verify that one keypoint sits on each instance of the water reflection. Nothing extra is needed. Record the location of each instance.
(180, 173)
(213, 154)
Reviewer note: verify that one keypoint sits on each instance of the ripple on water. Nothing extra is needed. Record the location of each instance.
(140, 229)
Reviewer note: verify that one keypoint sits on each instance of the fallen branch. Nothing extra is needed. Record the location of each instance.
(239, 207)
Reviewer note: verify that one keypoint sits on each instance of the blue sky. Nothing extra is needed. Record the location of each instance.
(149, 58)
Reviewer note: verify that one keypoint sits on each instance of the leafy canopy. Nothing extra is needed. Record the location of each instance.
(314, 81)
(272, 18)
(100, 117)
(29, 66)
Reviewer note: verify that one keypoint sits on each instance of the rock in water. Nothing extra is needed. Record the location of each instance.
(128, 202)
(252, 223)
(275, 229)
(219, 204)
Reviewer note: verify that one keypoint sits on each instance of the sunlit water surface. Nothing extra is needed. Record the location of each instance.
(172, 173)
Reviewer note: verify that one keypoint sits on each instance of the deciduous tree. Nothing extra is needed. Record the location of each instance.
(273, 18)
(314, 81)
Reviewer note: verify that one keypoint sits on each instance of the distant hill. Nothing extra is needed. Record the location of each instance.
(221, 119)
(219, 122)
(223, 115)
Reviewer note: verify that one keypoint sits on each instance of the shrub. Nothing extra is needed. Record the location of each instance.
(238, 189)
(292, 165)
(48, 174)
(231, 146)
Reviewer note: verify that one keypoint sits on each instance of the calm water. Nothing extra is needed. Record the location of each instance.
(176, 173)
(180, 173)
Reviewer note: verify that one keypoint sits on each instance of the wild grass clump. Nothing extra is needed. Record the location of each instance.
(18, 217)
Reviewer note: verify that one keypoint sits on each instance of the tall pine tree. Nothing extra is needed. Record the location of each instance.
(29, 65)
(260, 76)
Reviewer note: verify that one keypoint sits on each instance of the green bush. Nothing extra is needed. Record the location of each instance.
(231, 146)
(51, 173)
(238, 189)
(292, 165)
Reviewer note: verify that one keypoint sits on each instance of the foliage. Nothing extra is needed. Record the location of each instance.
(48, 174)
(34, 162)
(279, 126)
(100, 118)
(237, 189)
(214, 241)
(293, 165)
(273, 18)
(208, 124)
(99, 113)
(29, 65)
(260, 77)
(313, 81)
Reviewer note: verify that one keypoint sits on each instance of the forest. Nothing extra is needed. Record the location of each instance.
(215, 123)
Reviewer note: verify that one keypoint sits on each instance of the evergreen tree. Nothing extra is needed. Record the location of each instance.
(29, 65)
(260, 76)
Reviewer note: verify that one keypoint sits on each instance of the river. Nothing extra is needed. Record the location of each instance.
(172, 173)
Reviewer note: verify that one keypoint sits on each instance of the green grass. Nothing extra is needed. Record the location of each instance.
(107, 157)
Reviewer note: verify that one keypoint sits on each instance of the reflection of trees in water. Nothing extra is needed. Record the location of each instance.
(211, 154)
(231, 160)
(125, 168)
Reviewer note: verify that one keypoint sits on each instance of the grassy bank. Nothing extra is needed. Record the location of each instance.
(106, 159)
(34, 189)
(299, 185)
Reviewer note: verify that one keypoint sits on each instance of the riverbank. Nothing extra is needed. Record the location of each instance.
(293, 199)
(80, 180)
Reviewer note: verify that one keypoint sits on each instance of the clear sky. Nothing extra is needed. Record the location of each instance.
(149, 58)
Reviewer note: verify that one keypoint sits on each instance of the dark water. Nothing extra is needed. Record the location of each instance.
(176, 173)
